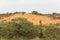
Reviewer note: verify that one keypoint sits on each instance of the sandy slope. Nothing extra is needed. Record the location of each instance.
(32, 18)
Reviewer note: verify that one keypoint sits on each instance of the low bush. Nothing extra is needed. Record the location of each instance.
(51, 33)
(18, 28)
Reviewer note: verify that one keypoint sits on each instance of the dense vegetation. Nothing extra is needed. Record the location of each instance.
(18, 28)
(22, 29)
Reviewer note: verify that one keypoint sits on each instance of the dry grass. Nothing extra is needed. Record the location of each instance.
(32, 18)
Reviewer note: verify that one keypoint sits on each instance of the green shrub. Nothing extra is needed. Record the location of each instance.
(26, 28)
(8, 30)
(18, 28)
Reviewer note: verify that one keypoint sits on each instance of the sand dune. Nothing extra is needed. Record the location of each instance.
(32, 18)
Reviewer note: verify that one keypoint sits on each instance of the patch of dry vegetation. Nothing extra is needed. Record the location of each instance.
(22, 29)
(34, 17)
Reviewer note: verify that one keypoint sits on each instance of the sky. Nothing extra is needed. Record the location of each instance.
(42, 6)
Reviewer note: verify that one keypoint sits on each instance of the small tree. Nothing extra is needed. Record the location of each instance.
(34, 12)
(54, 13)
(23, 13)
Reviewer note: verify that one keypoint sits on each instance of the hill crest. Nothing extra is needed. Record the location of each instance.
(35, 19)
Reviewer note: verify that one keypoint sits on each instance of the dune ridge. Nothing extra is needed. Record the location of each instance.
(35, 19)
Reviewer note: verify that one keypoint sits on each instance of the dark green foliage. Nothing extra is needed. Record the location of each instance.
(18, 28)
(34, 12)
(7, 30)
(26, 28)
(54, 13)
(23, 13)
